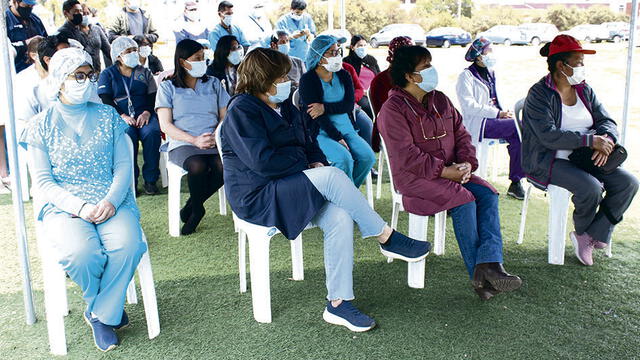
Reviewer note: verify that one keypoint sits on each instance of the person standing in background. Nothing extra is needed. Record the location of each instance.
(258, 29)
(189, 25)
(301, 27)
(280, 42)
(226, 26)
(22, 27)
(133, 21)
(92, 38)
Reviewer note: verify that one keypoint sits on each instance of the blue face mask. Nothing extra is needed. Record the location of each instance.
(284, 48)
(235, 57)
(429, 79)
(361, 52)
(283, 90)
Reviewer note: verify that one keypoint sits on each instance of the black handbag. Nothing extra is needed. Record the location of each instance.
(581, 157)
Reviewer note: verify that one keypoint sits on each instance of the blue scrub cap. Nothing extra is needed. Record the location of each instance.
(318, 47)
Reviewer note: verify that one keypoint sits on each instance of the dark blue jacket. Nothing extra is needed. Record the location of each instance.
(18, 32)
(311, 92)
(265, 155)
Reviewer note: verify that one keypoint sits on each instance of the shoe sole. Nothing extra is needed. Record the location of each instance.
(84, 316)
(336, 320)
(505, 285)
(513, 195)
(576, 250)
(393, 255)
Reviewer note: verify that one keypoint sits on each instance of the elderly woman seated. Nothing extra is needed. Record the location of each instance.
(275, 175)
(432, 161)
(81, 163)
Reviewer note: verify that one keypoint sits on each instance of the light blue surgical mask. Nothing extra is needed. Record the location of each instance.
(284, 48)
(361, 52)
(489, 61)
(235, 57)
(429, 79)
(283, 90)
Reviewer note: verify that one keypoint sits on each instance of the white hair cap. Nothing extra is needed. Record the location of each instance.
(63, 63)
(119, 45)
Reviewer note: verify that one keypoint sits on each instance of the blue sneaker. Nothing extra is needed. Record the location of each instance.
(347, 315)
(400, 246)
(124, 322)
(104, 336)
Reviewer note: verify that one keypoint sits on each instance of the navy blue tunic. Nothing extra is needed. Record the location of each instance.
(264, 155)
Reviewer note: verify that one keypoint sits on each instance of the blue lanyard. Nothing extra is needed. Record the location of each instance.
(131, 108)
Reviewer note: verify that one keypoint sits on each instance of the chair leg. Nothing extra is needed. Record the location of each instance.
(24, 175)
(260, 277)
(55, 299)
(164, 177)
(222, 197)
(558, 208)
(523, 214)
(482, 150)
(132, 296)
(417, 230)
(380, 171)
(147, 286)
(608, 253)
(369, 184)
(242, 260)
(394, 215)
(297, 259)
(439, 231)
(174, 204)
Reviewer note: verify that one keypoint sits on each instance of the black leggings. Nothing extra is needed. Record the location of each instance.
(204, 178)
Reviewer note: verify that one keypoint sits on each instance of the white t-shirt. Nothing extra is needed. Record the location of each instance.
(574, 118)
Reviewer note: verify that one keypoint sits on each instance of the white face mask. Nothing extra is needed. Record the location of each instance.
(131, 59)
(235, 57)
(361, 52)
(145, 51)
(227, 20)
(192, 15)
(85, 20)
(283, 90)
(296, 17)
(77, 94)
(429, 79)
(134, 5)
(489, 61)
(284, 48)
(198, 68)
(579, 75)
(334, 64)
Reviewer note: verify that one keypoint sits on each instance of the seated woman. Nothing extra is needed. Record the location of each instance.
(190, 105)
(432, 161)
(147, 59)
(275, 175)
(366, 67)
(327, 92)
(131, 90)
(562, 114)
(81, 164)
(482, 113)
(227, 56)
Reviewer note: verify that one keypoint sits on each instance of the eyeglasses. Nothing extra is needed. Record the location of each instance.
(332, 53)
(81, 77)
(438, 117)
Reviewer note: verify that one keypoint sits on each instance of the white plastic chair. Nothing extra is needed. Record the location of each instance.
(417, 230)
(24, 173)
(55, 289)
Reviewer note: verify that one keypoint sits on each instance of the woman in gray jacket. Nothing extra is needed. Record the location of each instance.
(562, 114)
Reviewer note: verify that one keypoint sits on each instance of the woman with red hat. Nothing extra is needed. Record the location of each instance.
(561, 115)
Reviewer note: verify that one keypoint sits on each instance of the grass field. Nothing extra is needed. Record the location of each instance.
(561, 312)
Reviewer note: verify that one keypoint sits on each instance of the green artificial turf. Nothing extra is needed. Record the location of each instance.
(569, 312)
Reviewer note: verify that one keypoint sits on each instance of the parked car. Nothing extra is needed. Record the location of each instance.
(505, 34)
(588, 32)
(617, 30)
(447, 36)
(387, 33)
(538, 33)
(338, 33)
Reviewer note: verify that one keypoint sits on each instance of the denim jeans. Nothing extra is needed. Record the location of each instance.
(365, 125)
(149, 135)
(345, 204)
(477, 228)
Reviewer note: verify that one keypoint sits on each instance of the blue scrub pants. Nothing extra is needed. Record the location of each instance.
(345, 204)
(365, 125)
(355, 162)
(150, 137)
(101, 259)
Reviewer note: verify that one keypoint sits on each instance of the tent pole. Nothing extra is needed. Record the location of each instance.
(330, 15)
(627, 87)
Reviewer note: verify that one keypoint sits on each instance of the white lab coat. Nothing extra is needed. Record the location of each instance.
(475, 104)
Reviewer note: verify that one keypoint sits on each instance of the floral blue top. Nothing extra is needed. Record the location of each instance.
(80, 155)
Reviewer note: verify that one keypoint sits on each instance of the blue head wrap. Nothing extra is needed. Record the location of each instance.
(318, 47)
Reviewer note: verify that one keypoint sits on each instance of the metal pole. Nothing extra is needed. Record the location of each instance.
(330, 15)
(16, 194)
(627, 87)
(459, 9)
(343, 15)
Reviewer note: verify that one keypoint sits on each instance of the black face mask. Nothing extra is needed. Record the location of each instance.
(25, 12)
(77, 19)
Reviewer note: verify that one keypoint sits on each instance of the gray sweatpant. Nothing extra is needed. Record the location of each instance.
(594, 214)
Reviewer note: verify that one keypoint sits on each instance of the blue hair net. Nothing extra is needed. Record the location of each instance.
(318, 47)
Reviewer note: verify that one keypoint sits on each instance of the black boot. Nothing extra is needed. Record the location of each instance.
(515, 190)
(494, 274)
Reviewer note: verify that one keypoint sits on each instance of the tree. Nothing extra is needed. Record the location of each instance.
(429, 7)
(565, 18)
(601, 14)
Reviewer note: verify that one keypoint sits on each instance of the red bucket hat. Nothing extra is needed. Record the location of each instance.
(566, 43)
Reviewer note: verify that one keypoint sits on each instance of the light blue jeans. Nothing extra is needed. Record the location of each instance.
(101, 259)
(345, 204)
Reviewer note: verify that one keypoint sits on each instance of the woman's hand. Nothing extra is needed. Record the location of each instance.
(315, 165)
(315, 110)
(602, 144)
(104, 211)
(143, 119)
(344, 143)
(204, 141)
(129, 120)
(459, 173)
(599, 158)
(506, 114)
(466, 167)
(88, 212)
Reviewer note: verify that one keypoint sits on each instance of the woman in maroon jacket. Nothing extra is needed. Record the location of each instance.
(432, 161)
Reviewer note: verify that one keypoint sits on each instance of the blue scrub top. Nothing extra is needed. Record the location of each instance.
(299, 46)
(19, 31)
(218, 31)
(140, 85)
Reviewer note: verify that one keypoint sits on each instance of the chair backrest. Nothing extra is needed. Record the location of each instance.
(131, 154)
(383, 149)
(371, 106)
(518, 109)
(216, 134)
(296, 99)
